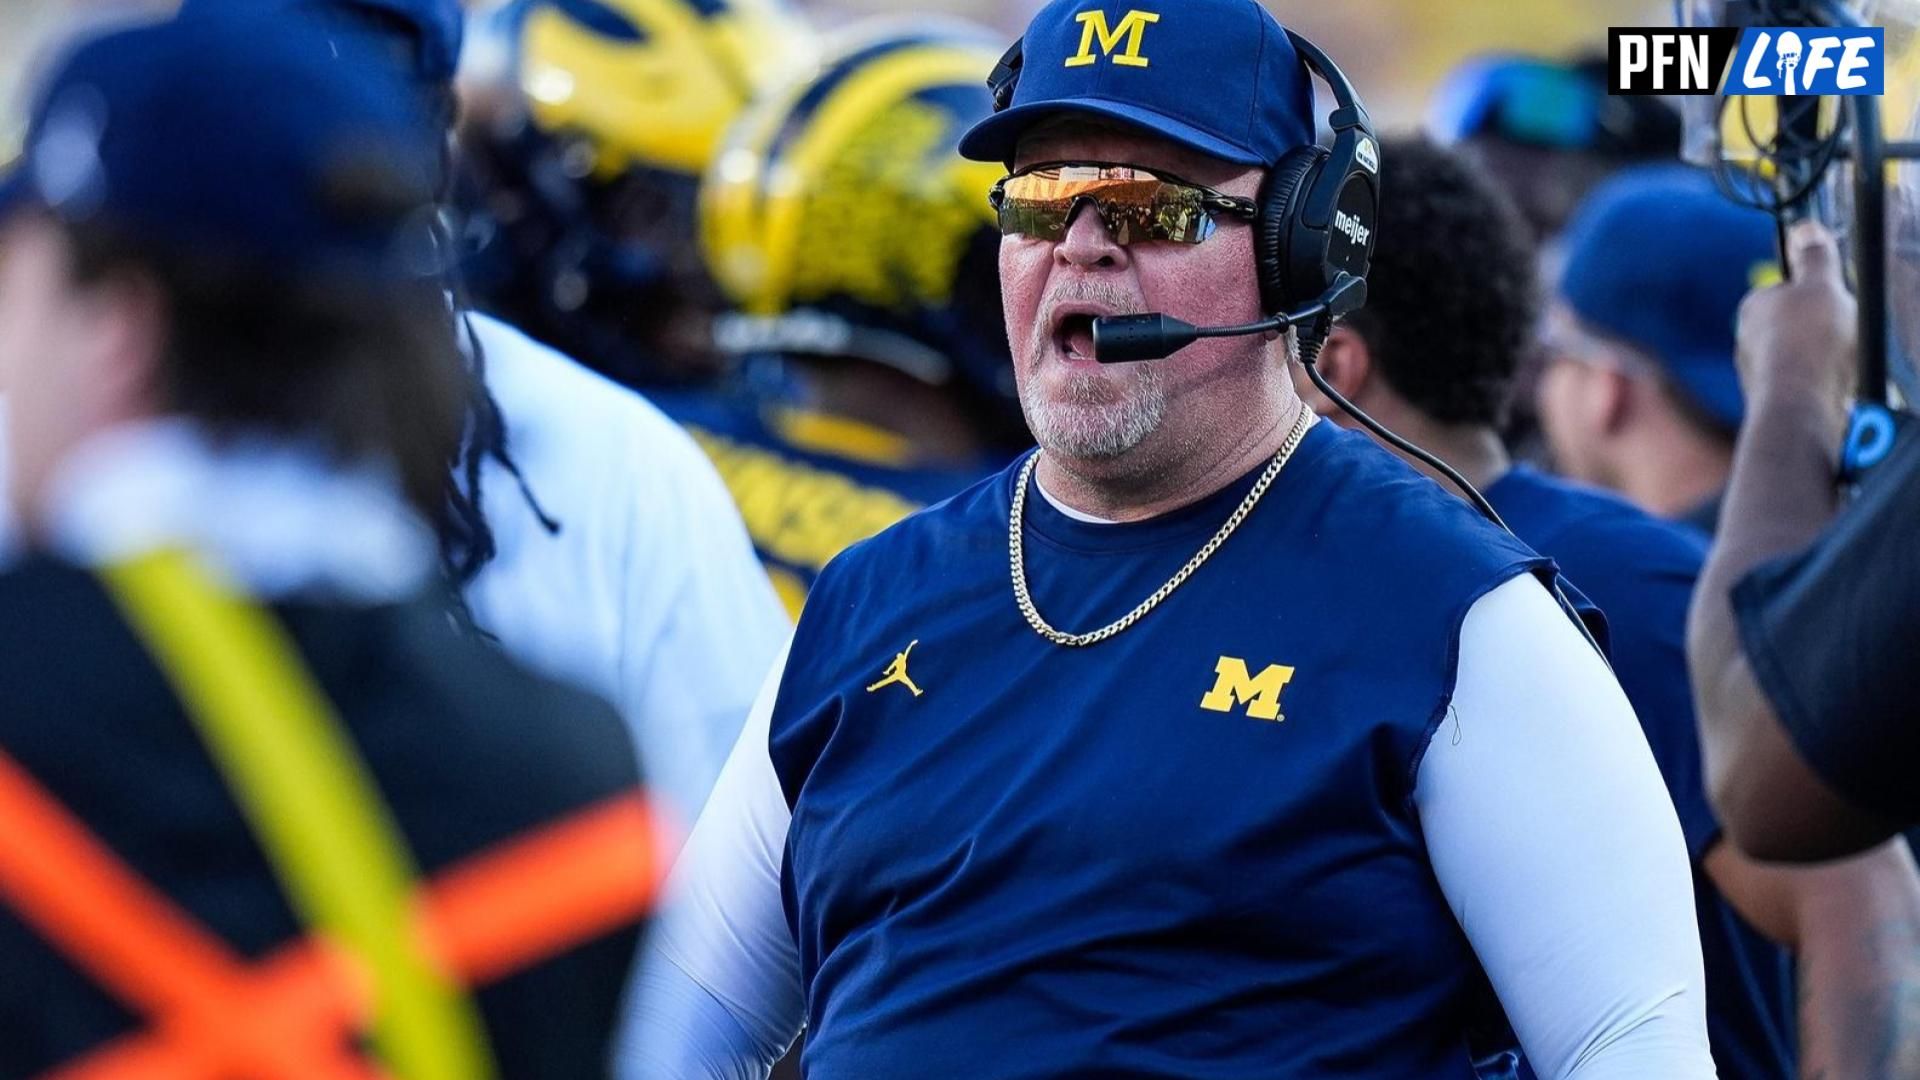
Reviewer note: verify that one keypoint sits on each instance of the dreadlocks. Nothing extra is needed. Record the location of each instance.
(466, 543)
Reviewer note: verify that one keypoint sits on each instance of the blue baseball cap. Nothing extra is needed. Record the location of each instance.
(1551, 104)
(1659, 259)
(1217, 76)
(238, 138)
(437, 26)
(1529, 101)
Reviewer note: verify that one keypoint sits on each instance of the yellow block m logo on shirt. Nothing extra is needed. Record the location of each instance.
(1094, 30)
(1259, 693)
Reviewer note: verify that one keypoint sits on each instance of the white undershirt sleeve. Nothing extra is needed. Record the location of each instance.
(1559, 850)
(718, 993)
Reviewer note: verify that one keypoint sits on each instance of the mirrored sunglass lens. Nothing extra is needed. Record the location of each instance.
(1180, 216)
(1046, 220)
(1135, 205)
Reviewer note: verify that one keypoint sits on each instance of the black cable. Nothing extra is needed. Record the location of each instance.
(1870, 247)
(1806, 162)
(1309, 355)
(1310, 352)
(1869, 154)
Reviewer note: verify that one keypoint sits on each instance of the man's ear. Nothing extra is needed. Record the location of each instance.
(1346, 362)
(126, 320)
(1616, 397)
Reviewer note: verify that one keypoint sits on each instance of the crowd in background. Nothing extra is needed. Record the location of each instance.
(1401, 51)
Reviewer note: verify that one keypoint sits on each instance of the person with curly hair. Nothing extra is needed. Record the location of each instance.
(1450, 309)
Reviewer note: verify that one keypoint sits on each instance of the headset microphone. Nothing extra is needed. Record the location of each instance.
(1126, 339)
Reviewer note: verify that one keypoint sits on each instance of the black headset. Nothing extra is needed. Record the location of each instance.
(1318, 206)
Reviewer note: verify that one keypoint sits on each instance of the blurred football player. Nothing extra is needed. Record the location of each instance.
(1639, 393)
(857, 249)
(237, 724)
(580, 179)
(593, 538)
(1450, 306)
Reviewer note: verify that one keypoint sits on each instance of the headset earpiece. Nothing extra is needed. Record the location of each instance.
(1005, 78)
(1320, 205)
(1285, 284)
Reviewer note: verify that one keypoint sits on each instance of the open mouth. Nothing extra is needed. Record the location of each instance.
(1073, 336)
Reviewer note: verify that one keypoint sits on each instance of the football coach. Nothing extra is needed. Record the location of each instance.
(1205, 741)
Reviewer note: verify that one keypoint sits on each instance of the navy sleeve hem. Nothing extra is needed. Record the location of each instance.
(1537, 567)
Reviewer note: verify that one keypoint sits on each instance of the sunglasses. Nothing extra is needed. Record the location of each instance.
(1136, 204)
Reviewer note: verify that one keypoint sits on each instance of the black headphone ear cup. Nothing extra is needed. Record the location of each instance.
(1275, 230)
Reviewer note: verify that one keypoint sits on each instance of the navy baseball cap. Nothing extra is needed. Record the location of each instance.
(1217, 76)
(1659, 259)
(437, 26)
(234, 137)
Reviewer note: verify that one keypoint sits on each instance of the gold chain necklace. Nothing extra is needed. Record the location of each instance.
(1017, 554)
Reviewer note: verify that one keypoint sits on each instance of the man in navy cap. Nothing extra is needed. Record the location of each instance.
(1640, 393)
(1190, 745)
(266, 813)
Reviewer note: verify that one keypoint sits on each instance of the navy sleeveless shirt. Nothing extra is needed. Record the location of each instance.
(1189, 851)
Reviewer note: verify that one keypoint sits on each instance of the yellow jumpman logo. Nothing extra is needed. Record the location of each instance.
(897, 672)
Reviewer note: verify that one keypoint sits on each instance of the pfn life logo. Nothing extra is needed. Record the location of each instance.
(1784, 61)
(1779, 61)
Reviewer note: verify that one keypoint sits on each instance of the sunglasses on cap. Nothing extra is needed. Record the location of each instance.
(1136, 204)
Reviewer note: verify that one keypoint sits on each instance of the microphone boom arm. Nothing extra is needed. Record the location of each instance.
(1128, 339)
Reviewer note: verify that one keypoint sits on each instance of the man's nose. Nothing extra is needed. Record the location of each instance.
(1089, 244)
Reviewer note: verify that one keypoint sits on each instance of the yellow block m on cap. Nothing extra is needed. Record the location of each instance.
(1094, 29)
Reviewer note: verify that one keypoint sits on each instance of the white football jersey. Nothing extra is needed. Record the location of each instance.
(649, 594)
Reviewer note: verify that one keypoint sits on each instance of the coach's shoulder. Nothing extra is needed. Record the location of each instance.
(934, 562)
(1372, 508)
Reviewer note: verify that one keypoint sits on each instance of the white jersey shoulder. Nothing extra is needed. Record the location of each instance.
(649, 593)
